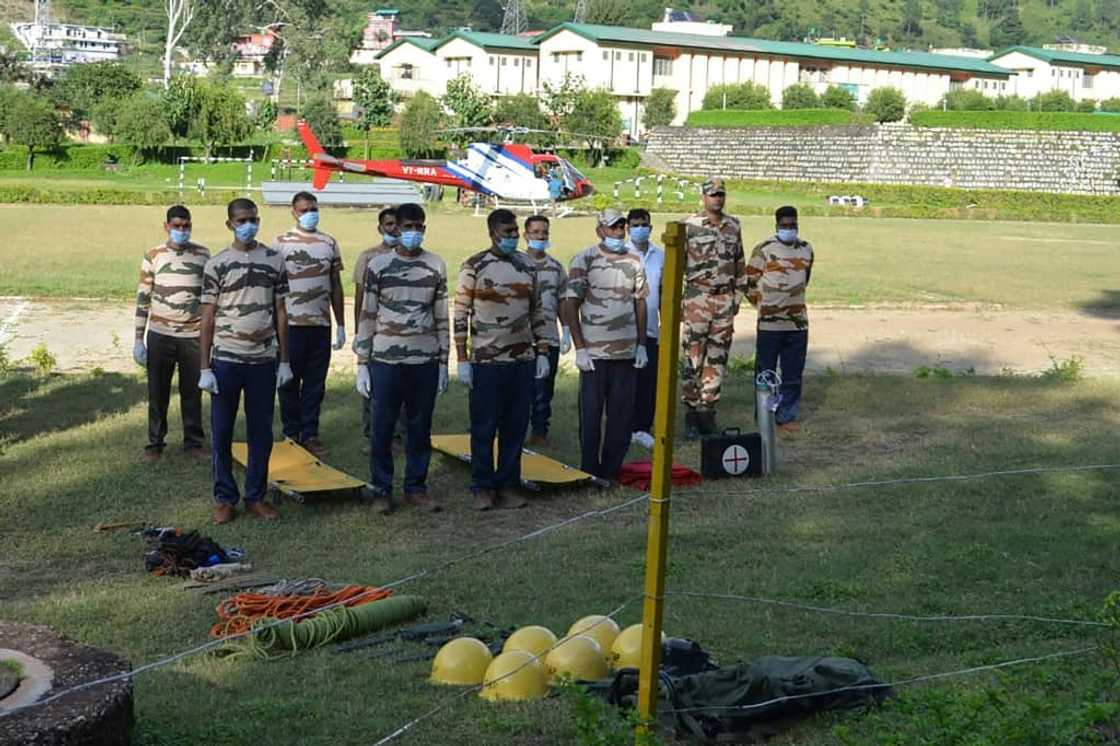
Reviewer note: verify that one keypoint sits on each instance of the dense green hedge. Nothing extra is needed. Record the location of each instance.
(772, 118)
(1018, 120)
(108, 196)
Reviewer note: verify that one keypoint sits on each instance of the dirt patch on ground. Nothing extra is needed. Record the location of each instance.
(84, 334)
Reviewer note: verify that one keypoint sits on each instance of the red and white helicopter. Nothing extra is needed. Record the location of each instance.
(508, 171)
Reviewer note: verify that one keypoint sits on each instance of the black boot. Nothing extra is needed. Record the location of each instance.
(691, 431)
(706, 422)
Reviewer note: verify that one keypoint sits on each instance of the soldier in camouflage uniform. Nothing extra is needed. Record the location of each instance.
(498, 313)
(715, 280)
(390, 238)
(552, 280)
(314, 264)
(244, 330)
(778, 273)
(167, 308)
(402, 347)
(605, 306)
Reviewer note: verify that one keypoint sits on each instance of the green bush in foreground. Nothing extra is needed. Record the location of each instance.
(885, 104)
(1018, 120)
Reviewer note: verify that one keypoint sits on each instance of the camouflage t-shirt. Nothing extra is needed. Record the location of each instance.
(310, 257)
(362, 262)
(243, 287)
(170, 285)
(552, 281)
(607, 284)
(404, 311)
(497, 305)
(715, 262)
(777, 277)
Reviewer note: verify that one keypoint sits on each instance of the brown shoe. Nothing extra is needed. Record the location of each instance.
(261, 509)
(789, 427)
(199, 454)
(484, 500)
(423, 501)
(151, 455)
(538, 440)
(223, 513)
(505, 500)
(315, 447)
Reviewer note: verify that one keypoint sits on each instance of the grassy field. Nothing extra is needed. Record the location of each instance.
(1044, 545)
(95, 252)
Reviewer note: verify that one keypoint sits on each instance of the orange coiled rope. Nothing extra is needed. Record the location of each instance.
(237, 614)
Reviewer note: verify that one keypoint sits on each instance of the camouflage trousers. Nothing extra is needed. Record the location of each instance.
(707, 326)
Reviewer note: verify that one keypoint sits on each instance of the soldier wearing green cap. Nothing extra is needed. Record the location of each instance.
(715, 283)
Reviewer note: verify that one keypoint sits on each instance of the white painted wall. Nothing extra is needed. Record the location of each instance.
(409, 69)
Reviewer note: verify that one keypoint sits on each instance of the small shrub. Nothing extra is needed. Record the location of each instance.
(800, 96)
(1012, 103)
(5, 361)
(1053, 101)
(838, 97)
(966, 100)
(1111, 105)
(741, 365)
(1064, 371)
(1088, 106)
(42, 359)
(886, 104)
(600, 724)
(744, 96)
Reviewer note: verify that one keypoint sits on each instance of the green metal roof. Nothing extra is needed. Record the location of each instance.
(1064, 58)
(922, 60)
(488, 40)
(423, 42)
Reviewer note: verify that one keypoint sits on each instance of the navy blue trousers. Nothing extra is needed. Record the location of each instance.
(543, 389)
(309, 352)
(258, 383)
(501, 394)
(784, 350)
(607, 390)
(645, 395)
(414, 388)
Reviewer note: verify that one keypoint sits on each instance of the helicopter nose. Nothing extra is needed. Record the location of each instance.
(586, 189)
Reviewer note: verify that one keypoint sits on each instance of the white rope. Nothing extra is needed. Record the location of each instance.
(888, 614)
(396, 583)
(448, 701)
(902, 682)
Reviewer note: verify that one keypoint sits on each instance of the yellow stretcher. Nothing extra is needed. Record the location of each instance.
(294, 471)
(537, 471)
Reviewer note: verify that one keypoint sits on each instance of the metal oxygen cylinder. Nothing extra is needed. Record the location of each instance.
(766, 398)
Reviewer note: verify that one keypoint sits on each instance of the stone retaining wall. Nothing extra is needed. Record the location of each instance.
(1068, 162)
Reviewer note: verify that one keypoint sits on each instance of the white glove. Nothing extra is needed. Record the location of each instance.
(565, 340)
(584, 362)
(339, 337)
(542, 366)
(140, 353)
(441, 385)
(207, 381)
(465, 375)
(641, 357)
(363, 380)
(284, 374)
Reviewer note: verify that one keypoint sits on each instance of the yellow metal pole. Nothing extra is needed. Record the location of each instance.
(657, 538)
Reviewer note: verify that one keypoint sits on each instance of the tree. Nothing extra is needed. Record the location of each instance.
(141, 123)
(558, 99)
(1082, 19)
(104, 117)
(522, 110)
(82, 87)
(468, 106)
(594, 112)
(215, 26)
(661, 108)
(217, 115)
(180, 102)
(12, 67)
(420, 123)
(949, 13)
(31, 122)
(886, 104)
(838, 97)
(911, 26)
(322, 117)
(608, 12)
(800, 96)
(266, 115)
(373, 99)
(180, 13)
(1007, 29)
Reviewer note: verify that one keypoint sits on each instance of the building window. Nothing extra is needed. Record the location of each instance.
(643, 57)
(517, 62)
(1087, 81)
(449, 62)
(528, 63)
(618, 55)
(630, 57)
(606, 55)
(491, 61)
(579, 56)
(662, 66)
(504, 61)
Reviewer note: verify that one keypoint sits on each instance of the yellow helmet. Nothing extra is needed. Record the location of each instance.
(600, 628)
(536, 640)
(579, 657)
(461, 661)
(514, 675)
(626, 652)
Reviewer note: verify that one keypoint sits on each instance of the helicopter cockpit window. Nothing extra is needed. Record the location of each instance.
(572, 176)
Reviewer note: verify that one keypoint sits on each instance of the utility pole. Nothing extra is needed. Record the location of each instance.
(513, 18)
(581, 12)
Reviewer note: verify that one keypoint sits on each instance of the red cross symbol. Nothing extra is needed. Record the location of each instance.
(736, 460)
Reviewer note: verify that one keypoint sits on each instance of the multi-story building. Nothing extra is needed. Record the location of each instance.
(55, 45)
(1084, 76)
(500, 64)
(251, 50)
(408, 65)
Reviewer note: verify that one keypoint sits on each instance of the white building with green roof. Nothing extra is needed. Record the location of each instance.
(1085, 77)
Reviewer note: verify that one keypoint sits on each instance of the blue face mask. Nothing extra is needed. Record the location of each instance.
(180, 237)
(640, 234)
(617, 245)
(538, 244)
(787, 235)
(309, 220)
(508, 245)
(390, 240)
(411, 240)
(246, 232)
